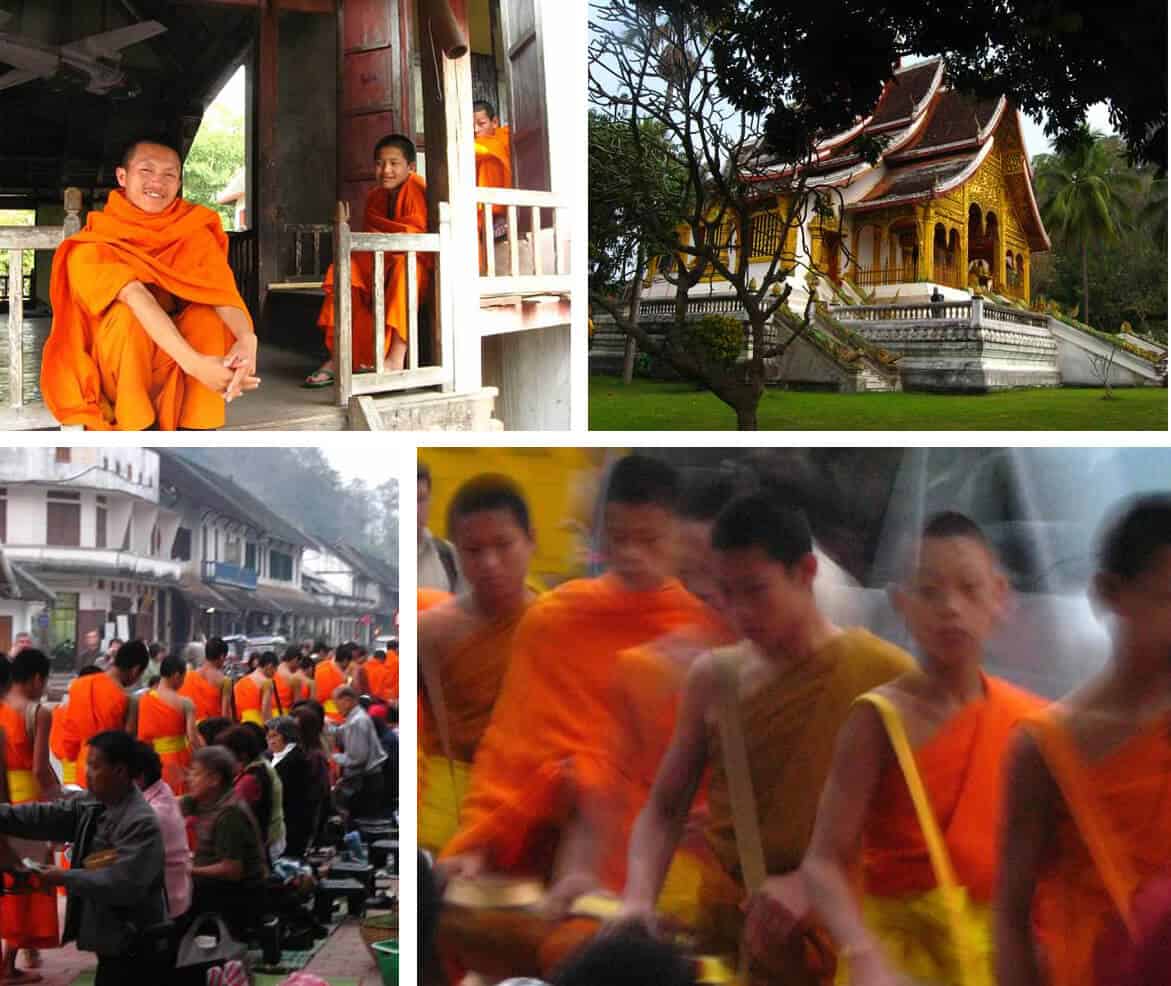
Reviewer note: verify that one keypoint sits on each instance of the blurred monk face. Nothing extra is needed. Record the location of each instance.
(640, 544)
(494, 554)
(485, 125)
(697, 563)
(391, 168)
(1142, 606)
(766, 601)
(954, 600)
(151, 177)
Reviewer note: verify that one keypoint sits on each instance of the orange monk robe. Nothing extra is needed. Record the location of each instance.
(326, 677)
(207, 697)
(249, 701)
(555, 708)
(64, 744)
(96, 703)
(284, 694)
(165, 728)
(386, 212)
(471, 673)
(962, 771)
(1078, 923)
(99, 367)
(383, 677)
(494, 166)
(26, 920)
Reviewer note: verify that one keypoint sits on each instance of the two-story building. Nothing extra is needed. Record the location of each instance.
(362, 588)
(240, 562)
(84, 528)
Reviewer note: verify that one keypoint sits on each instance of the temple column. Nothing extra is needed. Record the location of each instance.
(962, 259)
(927, 244)
(1026, 266)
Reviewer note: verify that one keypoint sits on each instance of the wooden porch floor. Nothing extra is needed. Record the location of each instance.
(281, 404)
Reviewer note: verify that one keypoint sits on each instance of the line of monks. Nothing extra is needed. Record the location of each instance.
(149, 329)
(166, 716)
(690, 735)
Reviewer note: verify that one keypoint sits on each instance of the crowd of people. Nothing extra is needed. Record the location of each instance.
(161, 788)
(689, 760)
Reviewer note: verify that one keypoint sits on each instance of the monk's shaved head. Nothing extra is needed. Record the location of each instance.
(639, 480)
(489, 492)
(400, 141)
(131, 148)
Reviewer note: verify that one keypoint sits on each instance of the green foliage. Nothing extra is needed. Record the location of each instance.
(17, 217)
(637, 191)
(655, 406)
(715, 340)
(216, 154)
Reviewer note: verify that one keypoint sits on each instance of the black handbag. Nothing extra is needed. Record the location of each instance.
(208, 945)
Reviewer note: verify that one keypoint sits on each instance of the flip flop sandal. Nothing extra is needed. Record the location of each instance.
(319, 380)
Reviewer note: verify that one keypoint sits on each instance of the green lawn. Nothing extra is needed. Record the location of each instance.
(652, 406)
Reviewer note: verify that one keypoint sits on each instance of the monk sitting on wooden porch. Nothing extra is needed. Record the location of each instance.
(149, 330)
(398, 204)
(493, 155)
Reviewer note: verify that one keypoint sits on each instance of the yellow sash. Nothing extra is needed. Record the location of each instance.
(252, 715)
(445, 782)
(22, 786)
(331, 707)
(170, 744)
(68, 771)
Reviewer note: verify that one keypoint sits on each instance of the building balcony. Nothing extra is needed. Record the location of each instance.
(223, 573)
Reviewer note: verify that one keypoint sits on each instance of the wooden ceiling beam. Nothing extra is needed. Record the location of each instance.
(296, 6)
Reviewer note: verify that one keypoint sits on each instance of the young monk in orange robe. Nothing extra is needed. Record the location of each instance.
(28, 920)
(328, 676)
(957, 722)
(1087, 843)
(207, 686)
(149, 329)
(493, 149)
(397, 205)
(290, 683)
(544, 756)
(64, 743)
(789, 682)
(464, 644)
(254, 692)
(382, 672)
(166, 720)
(101, 701)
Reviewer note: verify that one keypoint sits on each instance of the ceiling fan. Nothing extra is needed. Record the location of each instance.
(94, 60)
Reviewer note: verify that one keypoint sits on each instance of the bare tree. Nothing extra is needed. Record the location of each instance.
(653, 62)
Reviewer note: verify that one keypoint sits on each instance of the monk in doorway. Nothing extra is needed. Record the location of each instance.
(397, 204)
(149, 330)
(493, 154)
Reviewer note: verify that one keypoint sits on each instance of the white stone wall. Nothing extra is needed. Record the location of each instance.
(128, 470)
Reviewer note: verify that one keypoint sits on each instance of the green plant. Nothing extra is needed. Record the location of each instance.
(717, 340)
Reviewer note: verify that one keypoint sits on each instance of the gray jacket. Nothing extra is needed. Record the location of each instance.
(105, 906)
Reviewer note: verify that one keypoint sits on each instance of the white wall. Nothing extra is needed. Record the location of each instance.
(121, 470)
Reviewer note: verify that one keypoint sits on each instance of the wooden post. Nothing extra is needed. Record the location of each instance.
(343, 326)
(451, 171)
(72, 211)
(379, 312)
(412, 310)
(15, 328)
(267, 210)
(445, 299)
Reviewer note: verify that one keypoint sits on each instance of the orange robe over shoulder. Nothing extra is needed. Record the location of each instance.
(386, 212)
(494, 167)
(248, 701)
(26, 920)
(64, 744)
(327, 676)
(1079, 925)
(284, 692)
(207, 697)
(96, 703)
(962, 768)
(99, 368)
(165, 728)
(555, 708)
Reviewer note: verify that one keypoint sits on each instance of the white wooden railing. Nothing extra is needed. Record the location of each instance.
(349, 383)
(535, 263)
(15, 240)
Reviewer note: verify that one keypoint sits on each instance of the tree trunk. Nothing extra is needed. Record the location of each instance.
(635, 305)
(746, 417)
(1085, 285)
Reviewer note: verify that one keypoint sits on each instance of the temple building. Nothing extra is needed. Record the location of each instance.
(922, 252)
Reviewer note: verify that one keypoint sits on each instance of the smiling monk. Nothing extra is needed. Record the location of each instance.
(149, 330)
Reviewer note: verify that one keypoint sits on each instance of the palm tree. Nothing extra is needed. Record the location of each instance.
(1084, 192)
